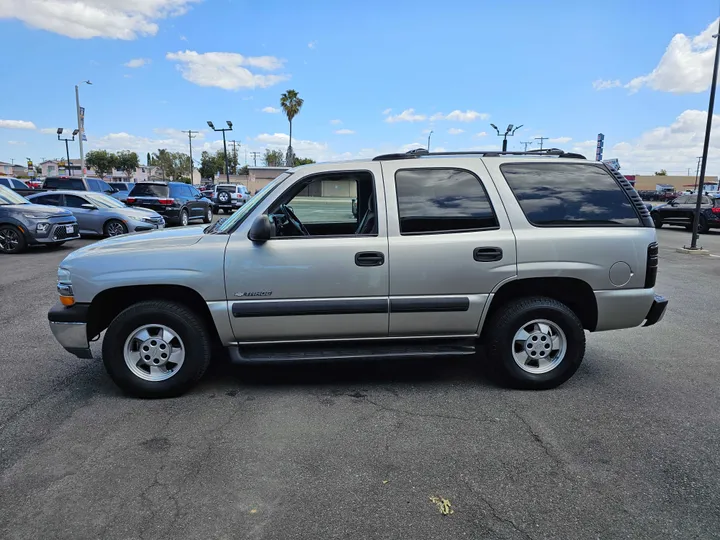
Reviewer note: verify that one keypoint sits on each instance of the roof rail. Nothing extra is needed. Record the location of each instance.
(421, 152)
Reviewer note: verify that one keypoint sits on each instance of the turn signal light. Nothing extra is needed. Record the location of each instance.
(67, 300)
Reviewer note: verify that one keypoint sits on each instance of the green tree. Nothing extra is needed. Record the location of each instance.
(148, 160)
(102, 161)
(291, 103)
(208, 165)
(127, 162)
(173, 164)
(303, 161)
(661, 172)
(273, 158)
(232, 161)
(244, 170)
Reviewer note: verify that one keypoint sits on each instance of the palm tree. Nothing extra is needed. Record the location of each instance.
(291, 104)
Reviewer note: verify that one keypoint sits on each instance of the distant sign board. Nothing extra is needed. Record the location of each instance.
(614, 164)
(600, 145)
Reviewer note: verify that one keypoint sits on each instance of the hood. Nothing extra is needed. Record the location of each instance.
(39, 210)
(133, 244)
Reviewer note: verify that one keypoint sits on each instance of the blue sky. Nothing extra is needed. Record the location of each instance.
(637, 71)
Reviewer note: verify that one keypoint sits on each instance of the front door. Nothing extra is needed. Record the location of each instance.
(450, 245)
(324, 274)
(89, 221)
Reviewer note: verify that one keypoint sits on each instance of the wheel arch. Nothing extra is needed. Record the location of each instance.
(573, 292)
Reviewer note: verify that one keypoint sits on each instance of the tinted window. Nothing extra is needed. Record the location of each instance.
(4, 182)
(104, 186)
(681, 200)
(52, 200)
(194, 192)
(150, 190)
(120, 186)
(180, 191)
(562, 194)
(94, 185)
(18, 184)
(442, 200)
(73, 201)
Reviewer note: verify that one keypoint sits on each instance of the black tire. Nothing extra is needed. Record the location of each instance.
(657, 220)
(208, 215)
(180, 319)
(703, 227)
(11, 240)
(184, 218)
(114, 227)
(499, 344)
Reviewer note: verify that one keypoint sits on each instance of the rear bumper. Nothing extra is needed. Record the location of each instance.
(69, 326)
(657, 311)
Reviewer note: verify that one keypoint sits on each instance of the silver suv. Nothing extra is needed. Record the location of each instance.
(229, 197)
(516, 254)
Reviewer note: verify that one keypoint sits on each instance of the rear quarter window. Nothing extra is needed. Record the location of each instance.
(569, 194)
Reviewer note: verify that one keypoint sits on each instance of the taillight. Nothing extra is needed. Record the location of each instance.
(715, 210)
(130, 200)
(652, 265)
(166, 202)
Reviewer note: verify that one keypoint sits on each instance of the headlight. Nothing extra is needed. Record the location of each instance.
(63, 275)
(38, 216)
(148, 220)
(42, 227)
(64, 287)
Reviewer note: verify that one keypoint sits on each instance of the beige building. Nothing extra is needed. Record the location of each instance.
(680, 183)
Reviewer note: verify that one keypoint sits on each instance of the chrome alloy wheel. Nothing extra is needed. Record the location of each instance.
(154, 352)
(539, 346)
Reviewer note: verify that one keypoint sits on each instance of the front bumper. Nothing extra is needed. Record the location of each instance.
(57, 233)
(657, 310)
(69, 326)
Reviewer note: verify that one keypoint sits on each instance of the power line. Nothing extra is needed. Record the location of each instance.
(541, 139)
(255, 156)
(526, 144)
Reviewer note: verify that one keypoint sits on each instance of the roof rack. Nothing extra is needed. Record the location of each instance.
(421, 152)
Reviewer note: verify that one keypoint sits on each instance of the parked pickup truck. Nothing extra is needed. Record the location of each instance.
(514, 253)
(18, 186)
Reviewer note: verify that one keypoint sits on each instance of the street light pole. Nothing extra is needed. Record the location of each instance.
(429, 135)
(81, 127)
(67, 148)
(229, 128)
(706, 145)
(510, 131)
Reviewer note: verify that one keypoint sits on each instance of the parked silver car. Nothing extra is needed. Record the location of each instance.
(101, 214)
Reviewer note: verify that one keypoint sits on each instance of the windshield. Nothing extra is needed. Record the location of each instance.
(8, 196)
(104, 201)
(245, 210)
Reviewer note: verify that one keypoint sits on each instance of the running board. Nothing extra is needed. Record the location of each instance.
(358, 350)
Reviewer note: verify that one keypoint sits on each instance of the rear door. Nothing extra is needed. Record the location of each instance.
(450, 245)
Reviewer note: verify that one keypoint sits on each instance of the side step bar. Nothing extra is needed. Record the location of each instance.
(358, 350)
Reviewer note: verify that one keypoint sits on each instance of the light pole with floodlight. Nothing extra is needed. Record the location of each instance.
(67, 148)
(229, 128)
(509, 132)
(81, 125)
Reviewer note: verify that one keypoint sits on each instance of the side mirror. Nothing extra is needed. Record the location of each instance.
(262, 230)
(88, 206)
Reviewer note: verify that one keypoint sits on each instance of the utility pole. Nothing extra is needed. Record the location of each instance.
(541, 139)
(255, 156)
(706, 144)
(235, 154)
(190, 133)
(509, 132)
(526, 144)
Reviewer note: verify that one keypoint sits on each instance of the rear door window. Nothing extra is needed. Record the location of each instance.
(93, 184)
(180, 191)
(104, 186)
(569, 195)
(17, 184)
(150, 190)
(53, 199)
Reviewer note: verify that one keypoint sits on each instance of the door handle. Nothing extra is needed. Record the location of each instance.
(487, 254)
(369, 258)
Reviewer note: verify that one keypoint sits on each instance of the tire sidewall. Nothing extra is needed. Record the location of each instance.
(184, 218)
(502, 344)
(107, 226)
(22, 243)
(197, 350)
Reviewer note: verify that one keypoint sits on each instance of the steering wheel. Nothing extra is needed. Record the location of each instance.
(293, 219)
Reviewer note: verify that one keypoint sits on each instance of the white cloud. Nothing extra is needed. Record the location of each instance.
(312, 44)
(271, 110)
(226, 70)
(336, 122)
(481, 134)
(460, 116)
(50, 131)
(674, 147)
(601, 84)
(408, 115)
(17, 143)
(560, 140)
(172, 139)
(16, 124)
(387, 111)
(183, 38)
(137, 62)
(686, 66)
(455, 131)
(85, 19)
(303, 148)
(344, 132)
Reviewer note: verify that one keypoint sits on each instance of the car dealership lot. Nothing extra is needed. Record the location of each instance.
(627, 448)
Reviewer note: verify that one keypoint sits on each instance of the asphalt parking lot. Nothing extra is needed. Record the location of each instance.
(628, 448)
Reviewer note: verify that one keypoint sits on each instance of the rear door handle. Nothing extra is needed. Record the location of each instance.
(487, 254)
(369, 258)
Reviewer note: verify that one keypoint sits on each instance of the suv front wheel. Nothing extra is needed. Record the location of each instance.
(535, 343)
(156, 349)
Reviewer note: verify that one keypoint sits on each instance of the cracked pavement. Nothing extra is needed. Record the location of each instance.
(627, 448)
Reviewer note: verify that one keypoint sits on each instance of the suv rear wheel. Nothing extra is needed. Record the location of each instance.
(208, 214)
(535, 343)
(156, 349)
